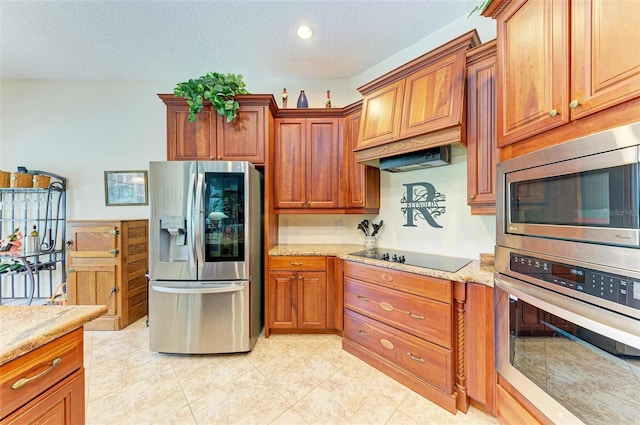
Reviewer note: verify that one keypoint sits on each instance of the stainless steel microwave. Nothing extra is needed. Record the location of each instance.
(573, 198)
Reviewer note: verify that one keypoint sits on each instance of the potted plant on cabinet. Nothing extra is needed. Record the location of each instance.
(219, 88)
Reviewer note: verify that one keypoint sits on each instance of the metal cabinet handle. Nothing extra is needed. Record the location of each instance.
(23, 381)
(416, 358)
(415, 316)
(574, 104)
(293, 276)
(296, 263)
(114, 232)
(114, 252)
(553, 112)
(363, 333)
(472, 197)
(71, 271)
(363, 298)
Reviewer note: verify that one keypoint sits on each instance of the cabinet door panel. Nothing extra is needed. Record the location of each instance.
(242, 139)
(432, 97)
(605, 69)
(362, 183)
(283, 293)
(533, 63)
(92, 285)
(290, 164)
(323, 163)
(190, 140)
(382, 114)
(312, 300)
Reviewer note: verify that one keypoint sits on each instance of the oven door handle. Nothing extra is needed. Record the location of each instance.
(605, 322)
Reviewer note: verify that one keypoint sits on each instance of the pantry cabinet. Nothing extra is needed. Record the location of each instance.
(482, 150)
(211, 137)
(561, 61)
(361, 183)
(297, 293)
(107, 262)
(308, 163)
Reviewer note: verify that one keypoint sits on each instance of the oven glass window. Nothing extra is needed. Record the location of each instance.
(599, 198)
(594, 377)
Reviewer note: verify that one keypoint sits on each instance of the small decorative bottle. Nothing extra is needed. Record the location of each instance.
(285, 96)
(327, 103)
(302, 100)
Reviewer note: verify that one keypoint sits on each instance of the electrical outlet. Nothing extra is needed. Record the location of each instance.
(285, 223)
(337, 224)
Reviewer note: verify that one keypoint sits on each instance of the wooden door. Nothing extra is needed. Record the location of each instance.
(482, 151)
(323, 163)
(93, 284)
(382, 112)
(190, 140)
(289, 171)
(312, 300)
(605, 67)
(283, 293)
(533, 68)
(243, 139)
(361, 183)
(433, 96)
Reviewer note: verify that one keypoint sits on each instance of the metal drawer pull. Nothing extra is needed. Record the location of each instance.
(361, 332)
(363, 298)
(114, 252)
(293, 263)
(22, 381)
(418, 359)
(415, 316)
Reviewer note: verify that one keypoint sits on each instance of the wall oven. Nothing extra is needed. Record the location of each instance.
(567, 287)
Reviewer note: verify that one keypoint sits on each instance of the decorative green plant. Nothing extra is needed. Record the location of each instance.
(480, 7)
(220, 89)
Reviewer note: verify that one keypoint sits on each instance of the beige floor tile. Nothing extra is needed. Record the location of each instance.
(181, 417)
(289, 417)
(247, 400)
(144, 402)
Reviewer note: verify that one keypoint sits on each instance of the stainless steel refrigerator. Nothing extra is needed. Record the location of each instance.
(205, 256)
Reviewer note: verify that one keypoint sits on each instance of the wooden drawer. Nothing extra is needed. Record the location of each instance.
(297, 263)
(68, 348)
(419, 316)
(429, 287)
(427, 361)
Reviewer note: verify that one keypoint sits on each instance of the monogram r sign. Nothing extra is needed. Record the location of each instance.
(421, 201)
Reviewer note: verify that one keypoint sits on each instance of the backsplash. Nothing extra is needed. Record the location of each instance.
(436, 217)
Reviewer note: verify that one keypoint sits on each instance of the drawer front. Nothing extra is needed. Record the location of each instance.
(425, 286)
(67, 348)
(429, 362)
(419, 316)
(297, 263)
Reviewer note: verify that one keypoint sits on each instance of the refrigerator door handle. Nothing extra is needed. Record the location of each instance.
(198, 224)
(190, 223)
(209, 290)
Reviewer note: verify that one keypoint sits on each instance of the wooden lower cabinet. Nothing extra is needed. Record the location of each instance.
(55, 397)
(107, 263)
(302, 295)
(403, 324)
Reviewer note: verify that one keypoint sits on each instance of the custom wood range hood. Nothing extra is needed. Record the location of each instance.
(417, 106)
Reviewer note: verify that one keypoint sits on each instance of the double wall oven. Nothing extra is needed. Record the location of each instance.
(567, 282)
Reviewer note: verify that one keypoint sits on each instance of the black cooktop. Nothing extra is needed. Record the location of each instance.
(419, 259)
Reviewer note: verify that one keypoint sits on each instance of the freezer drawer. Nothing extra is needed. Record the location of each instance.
(200, 317)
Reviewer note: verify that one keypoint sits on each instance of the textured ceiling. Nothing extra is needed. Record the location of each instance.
(168, 40)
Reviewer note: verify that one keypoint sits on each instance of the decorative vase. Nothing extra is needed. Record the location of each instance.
(302, 100)
(285, 96)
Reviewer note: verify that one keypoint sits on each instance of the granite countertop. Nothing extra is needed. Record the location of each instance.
(472, 272)
(25, 328)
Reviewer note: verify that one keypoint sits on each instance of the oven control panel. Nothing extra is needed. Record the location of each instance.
(612, 287)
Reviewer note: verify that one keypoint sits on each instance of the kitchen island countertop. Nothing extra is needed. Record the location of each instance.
(472, 272)
(25, 328)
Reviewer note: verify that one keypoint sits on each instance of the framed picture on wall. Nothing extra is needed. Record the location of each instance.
(126, 188)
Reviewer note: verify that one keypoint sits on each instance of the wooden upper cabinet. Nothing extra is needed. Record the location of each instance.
(211, 137)
(432, 96)
(381, 121)
(361, 183)
(559, 61)
(307, 163)
(605, 66)
(482, 150)
(533, 53)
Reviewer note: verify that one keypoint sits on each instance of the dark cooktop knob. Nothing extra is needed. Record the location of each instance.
(402, 259)
(395, 258)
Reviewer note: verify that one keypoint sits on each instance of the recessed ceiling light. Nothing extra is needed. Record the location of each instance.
(304, 32)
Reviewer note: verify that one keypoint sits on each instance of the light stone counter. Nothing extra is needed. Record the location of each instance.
(25, 328)
(472, 272)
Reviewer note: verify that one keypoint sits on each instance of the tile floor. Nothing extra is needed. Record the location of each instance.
(286, 379)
